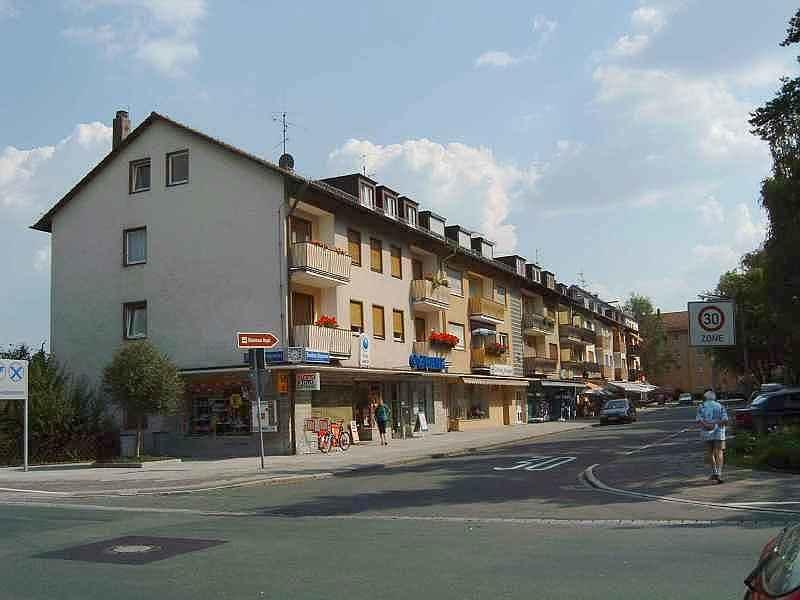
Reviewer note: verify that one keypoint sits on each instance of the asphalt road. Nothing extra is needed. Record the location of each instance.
(516, 522)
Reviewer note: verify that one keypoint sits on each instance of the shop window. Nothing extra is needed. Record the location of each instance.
(397, 261)
(376, 255)
(356, 316)
(227, 415)
(398, 327)
(378, 323)
(354, 246)
(472, 404)
(178, 168)
(457, 329)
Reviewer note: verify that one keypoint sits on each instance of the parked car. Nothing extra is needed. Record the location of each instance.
(777, 573)
(769, 410)
(620, 410)
(766, 388)
(686, 399)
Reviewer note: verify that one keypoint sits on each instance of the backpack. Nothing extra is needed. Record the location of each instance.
(382, 412)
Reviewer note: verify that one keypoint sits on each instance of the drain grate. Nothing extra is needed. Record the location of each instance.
(132, 550)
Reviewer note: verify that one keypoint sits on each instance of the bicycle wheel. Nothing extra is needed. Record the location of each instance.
(325, 443)
(344, 440)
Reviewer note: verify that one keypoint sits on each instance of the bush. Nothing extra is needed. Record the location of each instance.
(780, 450)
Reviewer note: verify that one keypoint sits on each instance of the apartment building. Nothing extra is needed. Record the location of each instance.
(181, 239)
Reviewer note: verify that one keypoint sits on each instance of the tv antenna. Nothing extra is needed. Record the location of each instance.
(281, 118)
(364, 158)
(537, 254)
(582, 279)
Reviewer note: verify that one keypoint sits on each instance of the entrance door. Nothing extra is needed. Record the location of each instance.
(419, 329)
(302, 309)
(300, 230)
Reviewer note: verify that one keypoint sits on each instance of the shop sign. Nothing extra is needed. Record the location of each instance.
(295, 354)
(282, 383)
(274, 356)
(363, 350)
(250, 340)
(354, 433)
(316, 357)
(306, 382)
(420, 362)
(501, 370)
(267, 408)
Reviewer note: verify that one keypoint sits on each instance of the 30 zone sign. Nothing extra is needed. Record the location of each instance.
(712, 323)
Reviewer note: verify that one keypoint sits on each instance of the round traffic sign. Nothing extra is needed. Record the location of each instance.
(711, 318)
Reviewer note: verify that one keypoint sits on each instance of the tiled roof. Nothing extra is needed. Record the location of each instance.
(675, 320)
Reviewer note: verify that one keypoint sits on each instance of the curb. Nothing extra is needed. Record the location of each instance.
(288, 479)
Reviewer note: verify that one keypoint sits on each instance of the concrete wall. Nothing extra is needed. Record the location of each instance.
(213, 264)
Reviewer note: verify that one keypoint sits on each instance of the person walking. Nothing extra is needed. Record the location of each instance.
(712, 419)
(382, 413)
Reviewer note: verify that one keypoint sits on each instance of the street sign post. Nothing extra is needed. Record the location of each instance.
(712, 324)
(257, 343)
(14, 386)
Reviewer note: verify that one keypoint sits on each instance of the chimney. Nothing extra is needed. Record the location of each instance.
(121, 128)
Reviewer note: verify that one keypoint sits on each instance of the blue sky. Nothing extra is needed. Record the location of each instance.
(610, 139)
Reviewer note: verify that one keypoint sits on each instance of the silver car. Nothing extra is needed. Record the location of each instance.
(618, 411)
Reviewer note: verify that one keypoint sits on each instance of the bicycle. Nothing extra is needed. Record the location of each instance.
(332, 437)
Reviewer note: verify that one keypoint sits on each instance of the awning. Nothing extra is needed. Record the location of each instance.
(570, 384)
(633, 387)
(502, 381)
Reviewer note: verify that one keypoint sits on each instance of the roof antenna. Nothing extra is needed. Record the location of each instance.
(537, 253)
(286, 160)
(364, 158)
(582, 279)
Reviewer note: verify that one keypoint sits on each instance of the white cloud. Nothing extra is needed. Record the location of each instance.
(742, 234)
(646, 21)
(630, 45)
(649, 18)
(467, 184)
(569, 148)
(160, 33)
(719, 254)
(8, 9)
(711, 211)
(748, 232)
(41, 259)
(543, 29)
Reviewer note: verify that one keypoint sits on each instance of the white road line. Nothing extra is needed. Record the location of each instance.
(551, 464)
(657, 443)
(43, 492)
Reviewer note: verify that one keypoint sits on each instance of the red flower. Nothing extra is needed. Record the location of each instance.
(496, 349)
(443, 339)
(326, 321)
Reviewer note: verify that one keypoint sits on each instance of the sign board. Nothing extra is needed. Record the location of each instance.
(422, 422)
(295, 354)
(276, 355)
(13, 379)
(267, 408)
(306, 382)
(363, 350)
(317, 357)
(501, 370)
(421, 362)
(282, 383)
(354, 433)
(712, 323)
(248, 340)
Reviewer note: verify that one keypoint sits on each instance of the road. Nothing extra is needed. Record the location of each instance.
(516, 522)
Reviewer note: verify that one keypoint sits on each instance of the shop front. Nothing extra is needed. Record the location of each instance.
(485, 402)
(550, 400)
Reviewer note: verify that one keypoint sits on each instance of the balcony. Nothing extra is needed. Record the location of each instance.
(634, 350)
(539, 364)
(318, 266)
(571, 335)
(588, 335)
(425, 297)
(574, 365)
(428, 349)
(487, 311)
(591, 368)
(536, 324)
(480, 359)
(336, 342)
(617, 374)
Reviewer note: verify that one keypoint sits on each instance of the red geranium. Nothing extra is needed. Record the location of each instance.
(327, 321)
(496, 349)
(442, 338)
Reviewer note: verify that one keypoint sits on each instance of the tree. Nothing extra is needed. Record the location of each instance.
(657, 359)
(141, 381)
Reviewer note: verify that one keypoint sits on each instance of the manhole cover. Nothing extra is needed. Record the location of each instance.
(132, 549)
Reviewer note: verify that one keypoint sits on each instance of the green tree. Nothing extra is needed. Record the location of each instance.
(657, 359)
(141, 381)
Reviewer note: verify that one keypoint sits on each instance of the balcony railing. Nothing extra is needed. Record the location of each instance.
(588, 335)
(337, 342)
(480, 359)
(428, 349)
(601, 343)
(634, 350)
(539, 364)
(486, 310)
(571, 333)
(590, 367)
(319, 266)
(427, 297)
(533, 323)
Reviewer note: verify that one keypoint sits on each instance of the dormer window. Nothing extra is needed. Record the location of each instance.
(520, 267)
(411, 215)
(390, 206)
(367, 195)
(463, 239)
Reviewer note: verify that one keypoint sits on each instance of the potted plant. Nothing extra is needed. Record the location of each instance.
(496, 349)
(442, 338)
(327, 321)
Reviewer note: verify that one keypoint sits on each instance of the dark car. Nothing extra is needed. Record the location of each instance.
(769, 410)
(620, 410)
(777, 573)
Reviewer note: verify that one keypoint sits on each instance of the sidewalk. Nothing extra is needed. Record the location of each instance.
(75, 481)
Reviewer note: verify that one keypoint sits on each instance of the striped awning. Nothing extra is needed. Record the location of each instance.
(503, 381)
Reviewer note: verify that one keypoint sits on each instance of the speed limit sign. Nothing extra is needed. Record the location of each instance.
(712, 323)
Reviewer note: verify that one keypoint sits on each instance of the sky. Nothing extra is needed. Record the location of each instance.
(607, 140)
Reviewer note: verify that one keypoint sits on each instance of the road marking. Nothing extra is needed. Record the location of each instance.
(43, 492)
(538, 463)
(657, 443)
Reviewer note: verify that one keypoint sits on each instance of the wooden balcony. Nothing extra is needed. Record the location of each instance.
(533, 365)
(536, 324)
(425, 297)
(488, 311)
(480, 359)
(336, 342)
(317, 266)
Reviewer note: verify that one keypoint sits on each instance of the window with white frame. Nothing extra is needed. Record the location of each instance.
(500, 294)
(457, 329)
(455, 283)
(367, 195)
(178, 167)
(140, 176)
(135, 243)
(411, 215)
(135, 317)
(391, 206)
(502, 339)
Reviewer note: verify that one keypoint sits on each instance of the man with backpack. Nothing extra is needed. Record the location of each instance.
(712, 419)
(382, 414)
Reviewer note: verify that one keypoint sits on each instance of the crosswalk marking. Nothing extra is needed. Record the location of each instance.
(538, 463)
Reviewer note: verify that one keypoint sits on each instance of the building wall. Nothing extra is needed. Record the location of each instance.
(212, 258)
(514, 312)
(457, 313)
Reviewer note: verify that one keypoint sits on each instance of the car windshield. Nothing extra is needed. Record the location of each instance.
(759, 400)
(781, 572)
(685, 396)
(616, 404)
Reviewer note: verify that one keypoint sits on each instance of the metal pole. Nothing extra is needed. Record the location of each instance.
(25, 433)
(257, 358)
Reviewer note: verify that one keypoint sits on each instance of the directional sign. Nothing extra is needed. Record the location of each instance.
(13, 379)
(712, 323)
(259, 339)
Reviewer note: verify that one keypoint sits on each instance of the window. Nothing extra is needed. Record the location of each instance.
(135, 320)
(378, 323)
(553, 351)
(178, 168)
(419, 329)
(502, 339)
(367, 195)
(455, 283)
(302, 309)
(354, 246)
(300, 230)
(391, 206)
(411, 215)
(398, 329)
(376, 255)
(140, 176)
(397, 261)
(457, 329)
(416, 268)
(135, 242)
(356, 316)
(500, 294)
